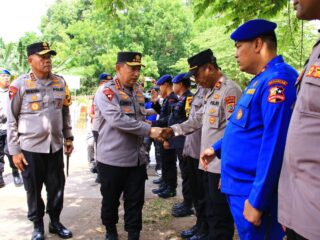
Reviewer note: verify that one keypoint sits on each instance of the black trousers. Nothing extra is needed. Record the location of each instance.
(196, 187)
(169, 167)
(183, 165)
(292, 235)
(4, 151)
(131, 182)
(220, 221)
(147, 142)
(44, 169)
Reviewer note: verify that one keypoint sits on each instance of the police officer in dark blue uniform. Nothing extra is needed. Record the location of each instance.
(179, 114)
(164, 111)
(253, 144)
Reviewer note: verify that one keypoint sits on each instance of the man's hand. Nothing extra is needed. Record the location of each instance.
(252, 214)
(167, 133)
(206, 157)
(68, 147)
(166, 145)
(155, 132)
(19, 161)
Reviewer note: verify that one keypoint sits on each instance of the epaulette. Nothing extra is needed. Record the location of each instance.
(118, 84)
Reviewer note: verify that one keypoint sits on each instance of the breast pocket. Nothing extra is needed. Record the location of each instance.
(310, 95)
(214, 118)
(241, 114)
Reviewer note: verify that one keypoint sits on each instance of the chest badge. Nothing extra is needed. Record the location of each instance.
(212, 120)
(35, 106)
(239, 114)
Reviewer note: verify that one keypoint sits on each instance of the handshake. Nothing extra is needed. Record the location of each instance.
(161, 134)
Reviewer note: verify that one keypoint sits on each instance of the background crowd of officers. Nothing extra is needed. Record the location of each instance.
(247, 158)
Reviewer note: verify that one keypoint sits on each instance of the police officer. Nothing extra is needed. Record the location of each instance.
(167, 155)
(96, 122)
(214, 217)
(181, 87)
(120, 150)
(299, 184)
(4, 91)
(252, 147)
(38, 121)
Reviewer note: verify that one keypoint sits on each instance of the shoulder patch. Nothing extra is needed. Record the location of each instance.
(12, 92)
(314, 71)
(230, 103)
(276, 94)
(277, 81)
(109, 93)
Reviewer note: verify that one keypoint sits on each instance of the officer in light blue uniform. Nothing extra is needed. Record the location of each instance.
(252, 148)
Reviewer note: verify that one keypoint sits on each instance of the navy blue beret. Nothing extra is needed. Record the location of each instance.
(252, 29)
(164, 78)
(179, 78)
(4, 71)
(105, 76)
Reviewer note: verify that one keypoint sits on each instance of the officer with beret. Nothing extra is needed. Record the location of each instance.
(214, 220)
(299, 184)
(38, 127)
(4, 91)
(120, 149)
(164, 111)
(253, 144)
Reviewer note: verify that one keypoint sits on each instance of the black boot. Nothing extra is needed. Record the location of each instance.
(17, 178)
(111, 236)
(38, 232)
(57, 228)
(133, 235)
(161, 188)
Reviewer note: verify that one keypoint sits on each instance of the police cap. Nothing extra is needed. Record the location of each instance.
(199, 60)
(130, 58)
(253, 29)
(4, 71)
(105, 76)
(164, 78)
(40, 48)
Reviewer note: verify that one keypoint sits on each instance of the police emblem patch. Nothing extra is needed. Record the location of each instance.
(230, 103)
(12, 92)
(109, 93)
(239, 114)
(276, 94)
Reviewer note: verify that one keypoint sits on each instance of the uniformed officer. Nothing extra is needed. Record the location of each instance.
(96, 119)
(181, 87)
(120, 150)
(167, 155)
(215, 222)
(4, 91)
(253, 143)
(299, 184)
(38, 121)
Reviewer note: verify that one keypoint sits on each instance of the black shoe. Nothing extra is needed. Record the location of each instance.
(60, 230)
(189, 232)
(178, 205)
(133, 235)
(17, 180)
(37, 234)
(182, 212)
(2, 184)
(157, 181)
(169, 192)
(199, 236)
(112, 236)
(158, 190)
